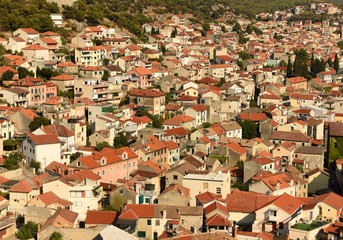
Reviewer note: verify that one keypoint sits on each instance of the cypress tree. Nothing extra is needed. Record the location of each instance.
(330, 62)
(312, 65)
(336, 63)
(289, 67)
(322, 65)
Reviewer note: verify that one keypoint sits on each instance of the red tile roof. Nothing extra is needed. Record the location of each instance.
(137, 211)
(35, 47)
(176, 131)
(294, 136)
(199, 107)
(217, 220)
(49, 198)
(146, 93)
(44, 139)
(256, 117)
(214, 206)
(207, 197)
(177, 188)
(236, 147)
(100, 217)
(29, 30)
(239, 201)
(63, 77)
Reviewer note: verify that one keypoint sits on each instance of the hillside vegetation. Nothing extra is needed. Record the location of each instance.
(129, 14)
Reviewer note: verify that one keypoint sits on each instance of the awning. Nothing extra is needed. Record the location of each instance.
(176, 157)
(98, 189)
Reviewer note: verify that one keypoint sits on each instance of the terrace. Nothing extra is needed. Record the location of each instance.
(309, 226)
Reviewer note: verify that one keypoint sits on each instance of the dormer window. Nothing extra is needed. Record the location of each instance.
(78, 163)
(103, 161)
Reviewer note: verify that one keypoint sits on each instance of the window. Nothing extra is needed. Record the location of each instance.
(157, 223)
(111, 170)
(118, 168)
(78, 163)
(175, 177)
(148, 222)
(124, 166)
(103, 172)
(98, 173)
(147, 200)
(304, 186)
(141, 234)
(281, 225)
(121, 191)
(218, 190)
(134, 164)
(129, 165)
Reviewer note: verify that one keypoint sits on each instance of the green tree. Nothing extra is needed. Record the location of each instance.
(56, 236)
(23, 73)
(174, 33)
(252, 103)
(312, 64)
(299, 167)
(12, 162)
(120, 140)
(8, 75)
(336, 63)
(117, 201)
(27, 231)
(282, 63)
(289, 68)
(36, 165)
(237, 28)
(206, 27)
(340, 44)
(106, 75)
(244, 55)
(10, 144)
(37, 122)
(240, 164)
(206, 125)
(75, 156)
(249, 29)
(46, 73)
(249, 129)
(240, 186)
(333, 152)
(330, 62)
(102, 145)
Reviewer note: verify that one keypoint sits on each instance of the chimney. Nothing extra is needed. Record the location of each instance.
(164, 213)
(234, 230)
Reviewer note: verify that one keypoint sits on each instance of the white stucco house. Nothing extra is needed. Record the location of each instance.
(44, 148)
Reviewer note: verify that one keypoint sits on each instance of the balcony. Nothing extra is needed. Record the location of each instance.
(21, 99)
(271, 215)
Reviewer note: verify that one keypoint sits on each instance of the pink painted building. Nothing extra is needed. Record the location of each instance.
(144, 77)
(158, 148)
(36, 88)
(51, 90)
(110, 164)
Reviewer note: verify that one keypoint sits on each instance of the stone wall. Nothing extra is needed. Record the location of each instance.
(12, 174)
(62, 2)
(37, 214)
(70, 233)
